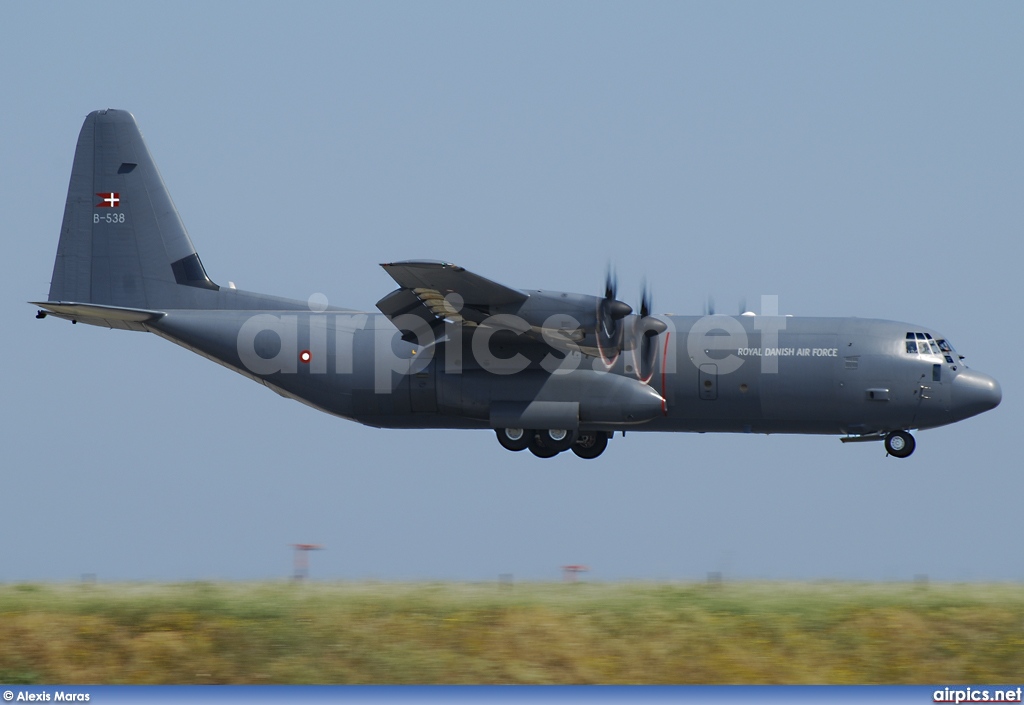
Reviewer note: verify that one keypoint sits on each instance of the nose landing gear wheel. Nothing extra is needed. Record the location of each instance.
(590, 444)
(899, 444)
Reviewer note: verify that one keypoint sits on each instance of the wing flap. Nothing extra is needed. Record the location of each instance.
(403, 302)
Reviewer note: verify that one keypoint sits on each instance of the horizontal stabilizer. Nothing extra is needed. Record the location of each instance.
(99, 315)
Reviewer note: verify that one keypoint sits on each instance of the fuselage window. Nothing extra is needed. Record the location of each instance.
(945, 347)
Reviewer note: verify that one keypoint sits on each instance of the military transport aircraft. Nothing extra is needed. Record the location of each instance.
(547, 371)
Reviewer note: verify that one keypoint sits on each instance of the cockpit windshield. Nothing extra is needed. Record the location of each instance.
(923, 344)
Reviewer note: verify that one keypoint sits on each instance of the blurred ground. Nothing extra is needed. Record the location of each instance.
(450, 633)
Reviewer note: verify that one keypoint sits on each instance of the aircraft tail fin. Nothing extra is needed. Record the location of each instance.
(122, 243)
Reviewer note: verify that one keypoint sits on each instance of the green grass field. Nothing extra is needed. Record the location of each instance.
(527, 633)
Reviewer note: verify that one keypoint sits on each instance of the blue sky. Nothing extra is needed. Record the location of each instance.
(854, 159)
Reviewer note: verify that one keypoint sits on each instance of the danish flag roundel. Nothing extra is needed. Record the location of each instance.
(110, 200)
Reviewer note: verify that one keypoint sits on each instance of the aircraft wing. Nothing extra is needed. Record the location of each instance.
(424, 284)
(445, 278)
(434, 292)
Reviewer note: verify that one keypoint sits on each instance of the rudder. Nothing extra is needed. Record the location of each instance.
(122, 242)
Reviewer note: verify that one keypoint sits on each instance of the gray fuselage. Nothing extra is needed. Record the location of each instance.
(712, 373)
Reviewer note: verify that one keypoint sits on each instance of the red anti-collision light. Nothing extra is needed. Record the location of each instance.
(305, 356)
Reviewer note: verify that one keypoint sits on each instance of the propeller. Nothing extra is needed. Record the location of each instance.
(743, 308)
(645, 299)
(612, 308)
(610, 312)
(649, 329)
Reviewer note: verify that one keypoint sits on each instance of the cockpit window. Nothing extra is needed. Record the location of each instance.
(925, 344)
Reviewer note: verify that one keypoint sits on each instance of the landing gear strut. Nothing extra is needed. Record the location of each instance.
(899, 444)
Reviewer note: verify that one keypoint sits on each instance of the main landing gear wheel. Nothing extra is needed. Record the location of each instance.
(538, 445)
(556, 439)
(590, 444)
(514, 439)
(899, 444)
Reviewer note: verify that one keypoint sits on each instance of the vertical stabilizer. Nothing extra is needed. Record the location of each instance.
(122, 242)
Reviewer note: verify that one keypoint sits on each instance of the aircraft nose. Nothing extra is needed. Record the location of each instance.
(975, 392)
